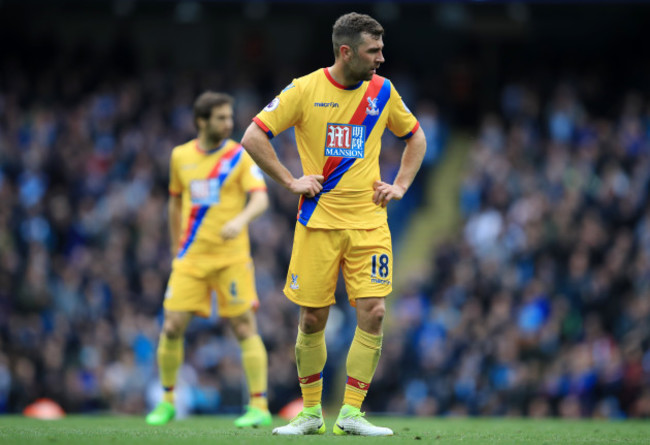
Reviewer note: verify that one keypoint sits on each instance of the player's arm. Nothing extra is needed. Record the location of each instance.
(412, 157)
(258, 202)
(257, 144)
(174, 207)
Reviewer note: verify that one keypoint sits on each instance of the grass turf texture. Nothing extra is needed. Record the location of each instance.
(208, 430)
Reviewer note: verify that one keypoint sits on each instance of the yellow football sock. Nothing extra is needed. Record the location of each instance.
(311, 354)
(170, 357)
(255, 364)
(361, 365)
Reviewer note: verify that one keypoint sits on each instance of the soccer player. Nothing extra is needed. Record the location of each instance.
(339, 114)
(210, 178)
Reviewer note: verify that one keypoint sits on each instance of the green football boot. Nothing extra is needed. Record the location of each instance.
(162, 414)
(253, 417)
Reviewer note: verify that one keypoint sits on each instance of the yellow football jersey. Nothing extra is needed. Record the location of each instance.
(338, 133)
(213, 186)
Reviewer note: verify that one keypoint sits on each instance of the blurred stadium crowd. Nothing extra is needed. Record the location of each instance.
(540, 307)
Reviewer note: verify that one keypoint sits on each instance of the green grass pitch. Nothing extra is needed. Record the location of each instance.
(207, 430)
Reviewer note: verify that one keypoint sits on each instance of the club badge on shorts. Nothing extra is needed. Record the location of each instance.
(294, 282)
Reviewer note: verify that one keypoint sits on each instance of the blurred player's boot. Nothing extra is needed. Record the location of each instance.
(162, 414)
(352, 421)
(253, 417)
(308, 421)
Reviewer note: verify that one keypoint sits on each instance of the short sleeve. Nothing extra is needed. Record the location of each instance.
(401, 121)
(282, 112)
(252, 178)
(175, 184)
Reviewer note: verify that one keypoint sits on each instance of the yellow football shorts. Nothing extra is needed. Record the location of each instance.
(192, 281)
(364, 256)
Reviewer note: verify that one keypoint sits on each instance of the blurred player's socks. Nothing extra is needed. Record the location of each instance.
(311, 355)
(361, 365)
(255, 364)
(170, 357)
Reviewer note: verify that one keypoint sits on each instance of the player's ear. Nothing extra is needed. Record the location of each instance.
(346, 52)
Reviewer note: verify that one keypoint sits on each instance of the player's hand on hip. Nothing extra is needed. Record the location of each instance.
(308, 185)
(384, 193)
(232, 228)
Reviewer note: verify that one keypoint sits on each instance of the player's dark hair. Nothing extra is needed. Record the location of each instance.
(204, 104)
(348, 30)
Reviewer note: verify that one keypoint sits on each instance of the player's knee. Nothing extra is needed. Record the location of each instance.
(371, 317)
(243, 326)
(242, 329)
(310, 322)
(172, 330)
(377, 314)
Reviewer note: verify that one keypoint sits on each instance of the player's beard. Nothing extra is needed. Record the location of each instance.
(359, 72)
(215, 137)
(365, 75)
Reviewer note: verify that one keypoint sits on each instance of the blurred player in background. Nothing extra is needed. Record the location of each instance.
(340, 114)
(210, 178)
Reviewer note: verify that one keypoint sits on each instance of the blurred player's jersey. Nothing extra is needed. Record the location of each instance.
(213, 186)
(338, 133)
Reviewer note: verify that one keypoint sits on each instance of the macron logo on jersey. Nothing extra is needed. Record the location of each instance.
(345, 140)
(326, 104)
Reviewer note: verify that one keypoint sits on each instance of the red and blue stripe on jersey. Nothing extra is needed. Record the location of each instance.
(336, 167)
(410, 133)
(224, 167)
(264, 128)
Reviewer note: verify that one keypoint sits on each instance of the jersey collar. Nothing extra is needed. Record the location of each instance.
(338, 85)
(213, 150)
